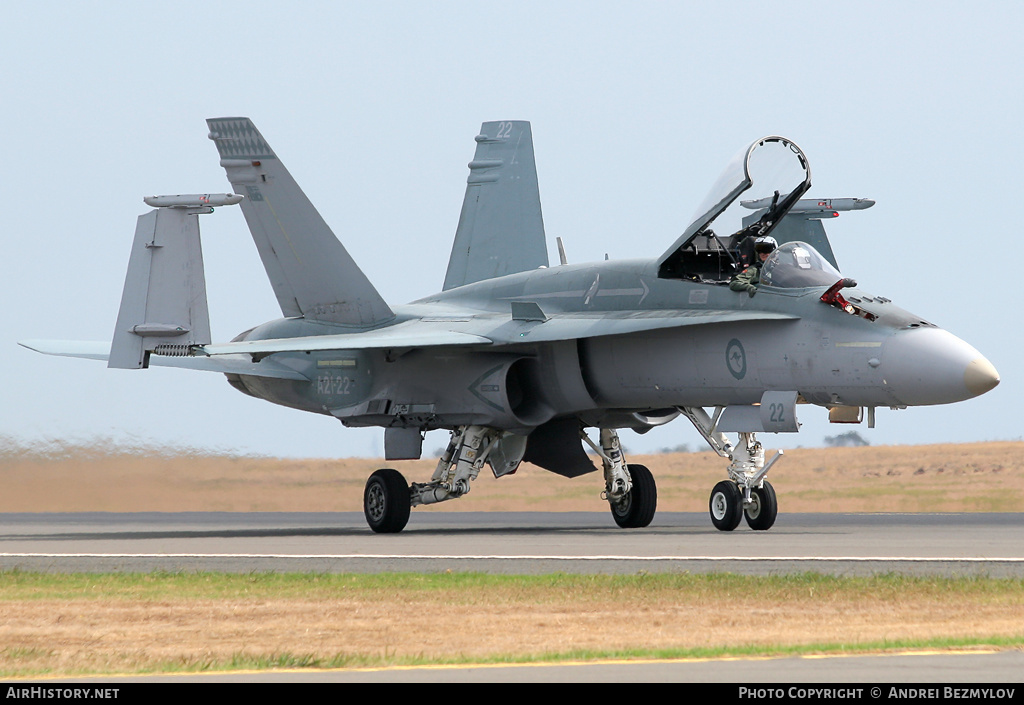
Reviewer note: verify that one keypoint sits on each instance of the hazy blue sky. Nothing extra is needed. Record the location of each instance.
(636, 107)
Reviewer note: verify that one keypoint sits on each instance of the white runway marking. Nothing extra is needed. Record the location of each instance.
(393, 556)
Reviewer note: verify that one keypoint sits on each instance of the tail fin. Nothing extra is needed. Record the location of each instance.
(310, 270)
(501, 230)
(163, 306)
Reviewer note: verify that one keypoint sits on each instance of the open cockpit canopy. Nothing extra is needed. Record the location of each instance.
(717, 243)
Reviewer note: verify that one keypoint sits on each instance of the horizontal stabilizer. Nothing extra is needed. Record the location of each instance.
(227, 364)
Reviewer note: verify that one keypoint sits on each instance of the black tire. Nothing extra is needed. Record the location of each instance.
(637, 508)
(726, 506)
(386, 502)
(763, 509)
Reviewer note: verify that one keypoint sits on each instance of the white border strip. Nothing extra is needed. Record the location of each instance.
(386, 556)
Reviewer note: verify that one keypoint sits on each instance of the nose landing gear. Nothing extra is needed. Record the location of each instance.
(727, 506)
(746, 494)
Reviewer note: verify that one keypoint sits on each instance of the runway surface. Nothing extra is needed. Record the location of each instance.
(513, 542)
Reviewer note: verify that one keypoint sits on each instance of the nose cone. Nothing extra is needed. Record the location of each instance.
(980, 376)
(932, 366)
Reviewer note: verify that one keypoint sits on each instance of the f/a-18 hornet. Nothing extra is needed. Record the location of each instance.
(517, 358)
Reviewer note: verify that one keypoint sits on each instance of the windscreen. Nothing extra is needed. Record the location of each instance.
(797, 265)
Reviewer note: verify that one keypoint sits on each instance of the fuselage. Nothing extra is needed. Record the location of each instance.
(791, 341)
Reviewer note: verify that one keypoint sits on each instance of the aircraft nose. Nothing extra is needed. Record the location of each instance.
(980, 376)
(932, 366)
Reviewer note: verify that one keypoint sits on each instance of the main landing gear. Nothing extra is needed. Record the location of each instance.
(629, 489)
(746, 494)
(387, 498)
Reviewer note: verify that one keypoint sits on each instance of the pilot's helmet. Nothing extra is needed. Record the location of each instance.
(765, 244)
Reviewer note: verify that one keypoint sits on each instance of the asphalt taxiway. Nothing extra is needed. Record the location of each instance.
(513, 542)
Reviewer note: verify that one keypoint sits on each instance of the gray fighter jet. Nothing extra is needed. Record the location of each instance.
(516, 358)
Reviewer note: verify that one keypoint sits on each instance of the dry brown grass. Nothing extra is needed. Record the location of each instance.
(127, 634)
(937, 478)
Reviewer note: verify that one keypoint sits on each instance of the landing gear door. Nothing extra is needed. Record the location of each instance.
(506, 455)
(778, 412)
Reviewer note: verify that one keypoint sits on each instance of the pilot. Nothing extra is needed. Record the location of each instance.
(749, 278)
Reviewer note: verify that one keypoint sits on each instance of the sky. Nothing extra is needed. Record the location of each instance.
(635, 107)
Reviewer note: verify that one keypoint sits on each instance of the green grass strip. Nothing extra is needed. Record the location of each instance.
(291, 662)
(25, 585)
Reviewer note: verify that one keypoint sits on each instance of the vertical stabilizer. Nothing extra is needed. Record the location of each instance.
(311, 272)
(163, 306)
(501, 230)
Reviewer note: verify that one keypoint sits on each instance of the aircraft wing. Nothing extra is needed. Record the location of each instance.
(226, 364)
(493, 330)
(420, 333)
(597, 324)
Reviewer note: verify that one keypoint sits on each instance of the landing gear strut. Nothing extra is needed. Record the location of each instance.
(630, 489)
(388, 498)
(746, 493)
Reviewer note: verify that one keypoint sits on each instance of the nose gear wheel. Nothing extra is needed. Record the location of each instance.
(726, 506)
(760, 513)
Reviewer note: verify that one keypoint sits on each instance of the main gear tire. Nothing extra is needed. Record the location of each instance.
(636, 510)
(386, 501)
